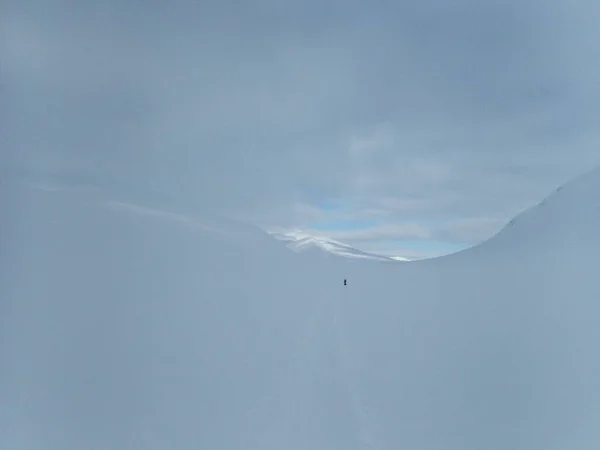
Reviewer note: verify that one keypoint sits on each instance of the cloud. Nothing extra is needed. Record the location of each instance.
(380, 232)
(267, 109)
(467, 231)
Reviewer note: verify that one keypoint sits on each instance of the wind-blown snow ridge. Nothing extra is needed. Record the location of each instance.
(567, 218)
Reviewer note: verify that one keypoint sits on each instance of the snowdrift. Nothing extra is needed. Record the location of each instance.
(125, 327)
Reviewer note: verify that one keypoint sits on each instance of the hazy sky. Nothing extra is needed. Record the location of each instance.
(404, 127)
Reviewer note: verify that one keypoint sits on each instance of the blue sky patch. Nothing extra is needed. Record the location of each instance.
(428, 245)
(344, 225)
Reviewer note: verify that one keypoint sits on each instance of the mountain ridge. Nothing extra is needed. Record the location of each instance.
(300, 242)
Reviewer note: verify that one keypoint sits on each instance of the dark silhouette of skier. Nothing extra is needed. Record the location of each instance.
(344, 282)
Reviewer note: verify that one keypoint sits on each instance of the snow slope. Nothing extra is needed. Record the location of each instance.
(129, 327)
(300, 241)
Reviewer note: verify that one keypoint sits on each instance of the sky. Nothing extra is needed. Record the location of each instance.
(406, 128)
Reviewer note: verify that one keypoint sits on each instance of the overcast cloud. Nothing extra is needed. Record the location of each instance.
(293, 114)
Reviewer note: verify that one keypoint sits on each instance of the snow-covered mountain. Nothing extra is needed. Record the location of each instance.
(566, 221)
(124, 326)
(302, 241)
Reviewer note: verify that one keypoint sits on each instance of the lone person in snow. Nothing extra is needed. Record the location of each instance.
(344, 282)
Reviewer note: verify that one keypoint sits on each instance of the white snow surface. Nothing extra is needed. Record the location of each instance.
(128, 327)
